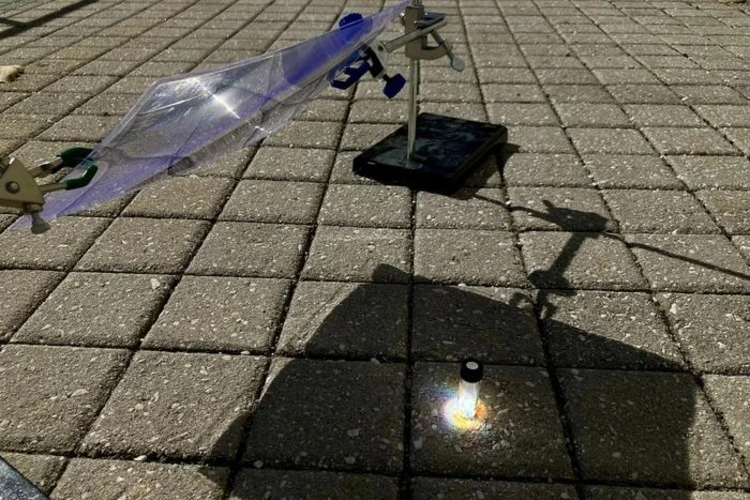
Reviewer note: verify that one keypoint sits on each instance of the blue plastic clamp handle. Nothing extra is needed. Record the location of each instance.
(393, 85)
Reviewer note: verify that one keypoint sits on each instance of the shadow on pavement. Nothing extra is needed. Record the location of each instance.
(635, 416)
(18, 27)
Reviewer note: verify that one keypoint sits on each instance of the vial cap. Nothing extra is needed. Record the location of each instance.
(471, 371)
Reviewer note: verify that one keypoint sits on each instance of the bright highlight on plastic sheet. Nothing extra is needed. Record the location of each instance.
(185, 121)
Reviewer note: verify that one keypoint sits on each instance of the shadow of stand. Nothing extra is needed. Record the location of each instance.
(632, 418)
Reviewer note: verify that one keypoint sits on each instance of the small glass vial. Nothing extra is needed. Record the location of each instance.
(468, 388)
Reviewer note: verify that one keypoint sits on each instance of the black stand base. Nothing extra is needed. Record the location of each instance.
(446, 151)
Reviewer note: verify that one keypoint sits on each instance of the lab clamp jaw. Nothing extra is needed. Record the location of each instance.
(431, 152)
(20, 190)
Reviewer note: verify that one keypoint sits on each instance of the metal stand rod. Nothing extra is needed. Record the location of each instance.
(413, 107)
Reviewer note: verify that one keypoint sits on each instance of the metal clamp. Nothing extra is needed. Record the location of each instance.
(20, 190)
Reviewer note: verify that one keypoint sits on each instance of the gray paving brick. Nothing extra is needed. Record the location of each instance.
(342, 170)
(290, 164)
(305, 419)
(626, 93)
(709, 94)
(101, 310)
(609, 141)
(674, 141)
(578, 94)
(649, 427)
(539, 139)
(177, 405)
(144, 245)
(732, 397)
(268, 483)
(710, 172)
(514, 93)
(592, 115)
(274, 202)
(521, 435)
(57, 249)
(424, 488)
(663, 115)
(79, 128)
(627, 76)
(522, 114)
(630, 171)
(650, 211)
(366, 206)
(41, 470)
(740, 137)
(220, 314)
(486, 257)
(579, 260)
(181, 197)
(228, 165)
(346, 320)
(569, 209)
(531, 169)
(725, 115)
(617, 330)
(731, 209)
(306, 134)
(690, 262)
(360, 136)
(248, 249)
(112, 479)
(495, 325)
(354, 254)
(620, 493)
(50, 395)
(467, 209)
(326, 110)
(23, 292)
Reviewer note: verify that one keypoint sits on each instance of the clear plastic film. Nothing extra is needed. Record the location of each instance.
(187, 120)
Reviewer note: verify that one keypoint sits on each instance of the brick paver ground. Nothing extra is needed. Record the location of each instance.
(273, 326)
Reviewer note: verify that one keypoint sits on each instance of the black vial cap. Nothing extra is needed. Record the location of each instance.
(471, 371)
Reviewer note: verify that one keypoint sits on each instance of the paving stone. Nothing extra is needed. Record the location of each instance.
(732, 397)
(642, 94)
(514, 93)
(495, 325)
(579, 260)
(354, 254)
(346, 320)
(49, 104)
(23, 292)
(424, 488)
(113, 479)
(274, 201)
(649, 427)
(221, 314)
(291, 164)
(630, 171)
(304, 419)
(690, 262)
(617, 330)
(632, 76)
(709, 172)
(144, 245)
(662, 115)
(521, 435)
(181, 197)
(342, 172)
(101, 310)
(467, 209)
(247, 249)
(487, 173)
(522, 114)
(50, 395)
(483, 257)
(709, 94)
(325, 110)
(89, 128)
(532, 169)
(711, 329)
(466, 111)
(740, 137)
(268, 483)
(578, 94)
(57, 249)
(361, 136)
(366, 206)
(612, 140)
(592, 115)
(650, 211)
(41, 470)
(177, 405)
(725, 115)
(307, 134)
(619, 493)
(539, 139)
(230, 165)
(731, 209)
(569, 209)
(703, 141)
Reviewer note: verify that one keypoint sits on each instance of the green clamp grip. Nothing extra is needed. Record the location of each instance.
(72, 157)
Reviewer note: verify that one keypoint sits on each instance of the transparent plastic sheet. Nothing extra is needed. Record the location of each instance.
(13, 486)
(187, 120)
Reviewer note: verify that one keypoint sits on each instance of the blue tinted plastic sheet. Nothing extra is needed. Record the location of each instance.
(187, 120)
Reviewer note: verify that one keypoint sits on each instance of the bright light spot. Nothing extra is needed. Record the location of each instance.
(457, 418)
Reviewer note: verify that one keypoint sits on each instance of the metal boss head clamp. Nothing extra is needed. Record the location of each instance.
(20, 190)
